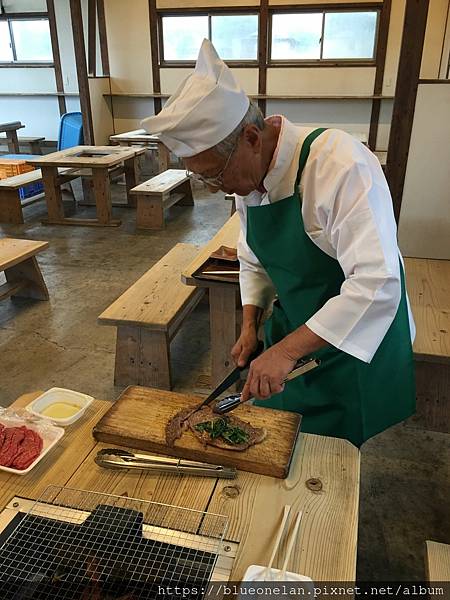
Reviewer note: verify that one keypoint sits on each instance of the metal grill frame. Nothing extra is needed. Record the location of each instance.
(198, 534)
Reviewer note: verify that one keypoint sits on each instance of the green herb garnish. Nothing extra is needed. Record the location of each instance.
(221, 428)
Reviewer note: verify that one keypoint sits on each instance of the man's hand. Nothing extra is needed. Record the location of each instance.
(245, 346)
(267, 373)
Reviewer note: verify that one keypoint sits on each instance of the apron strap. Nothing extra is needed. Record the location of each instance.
(304, 153)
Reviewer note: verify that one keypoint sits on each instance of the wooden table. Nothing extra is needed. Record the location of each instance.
(11, 135)
(223, 299)
(141, 138)
(323, 482)
(23, 275)
(103, 161)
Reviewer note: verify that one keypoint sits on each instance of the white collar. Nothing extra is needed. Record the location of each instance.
(288, 142)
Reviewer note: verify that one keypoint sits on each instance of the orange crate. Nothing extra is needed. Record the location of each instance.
(9, 167)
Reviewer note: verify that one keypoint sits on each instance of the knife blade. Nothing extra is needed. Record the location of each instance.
(228, 381)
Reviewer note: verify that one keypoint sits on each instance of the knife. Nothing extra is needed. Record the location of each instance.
(228, 381)
(229, 403)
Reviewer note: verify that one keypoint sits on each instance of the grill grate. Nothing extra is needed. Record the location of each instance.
(74, 544)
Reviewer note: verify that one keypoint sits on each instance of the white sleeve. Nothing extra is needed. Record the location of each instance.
(360, 227)
(255, 284)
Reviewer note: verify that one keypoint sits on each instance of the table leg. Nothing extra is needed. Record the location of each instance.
(29, 274)
(222, 311)
(131, 178)
(102, 194)
(13, 142)
(163, 158)
(53, 196)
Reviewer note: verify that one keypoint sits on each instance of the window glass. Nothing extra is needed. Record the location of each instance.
(32, 40)
(296, 36)
(349, 35)
(235, 37)
(183, 36)
(5, 42)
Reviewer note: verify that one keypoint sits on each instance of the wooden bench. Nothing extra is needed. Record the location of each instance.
(428, 283)
(33, 142)
(437, 562)
(23, 276)
(158, 193)
(147, 316)
(11, 204)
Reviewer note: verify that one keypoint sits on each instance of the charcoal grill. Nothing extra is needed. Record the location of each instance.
(75, 544)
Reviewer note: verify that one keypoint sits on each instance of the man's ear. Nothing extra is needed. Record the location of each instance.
(252, 137)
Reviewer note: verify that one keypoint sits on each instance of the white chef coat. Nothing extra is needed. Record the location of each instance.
(347, 212)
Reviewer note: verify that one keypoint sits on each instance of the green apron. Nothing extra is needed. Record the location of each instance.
(343, 397)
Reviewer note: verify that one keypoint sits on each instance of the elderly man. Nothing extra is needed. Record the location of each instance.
(318, 248)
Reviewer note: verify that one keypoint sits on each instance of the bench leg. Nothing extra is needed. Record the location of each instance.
(10, 207)
(155, 360)
(186, 189)
(29, 272)
(163, 158)
(35, 147)
(142, 358)
(222, 311)
(149, 213)
(13, 142)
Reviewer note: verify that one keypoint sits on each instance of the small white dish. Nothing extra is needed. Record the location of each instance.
(257, 578)
(57, 395)
(49, 433)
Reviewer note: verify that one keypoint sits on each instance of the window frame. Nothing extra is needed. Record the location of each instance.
(9, 18)
(214, 12)
(323, 62)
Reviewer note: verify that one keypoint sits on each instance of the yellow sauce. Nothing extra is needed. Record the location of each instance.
(60, 410)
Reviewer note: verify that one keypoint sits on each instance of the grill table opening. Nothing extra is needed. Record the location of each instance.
(84, 545)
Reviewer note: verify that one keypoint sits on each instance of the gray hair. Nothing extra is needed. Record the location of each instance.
(253, 116)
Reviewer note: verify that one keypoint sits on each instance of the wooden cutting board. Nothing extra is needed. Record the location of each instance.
(138, 420)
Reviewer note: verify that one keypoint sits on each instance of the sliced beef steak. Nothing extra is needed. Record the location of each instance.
(253, 435)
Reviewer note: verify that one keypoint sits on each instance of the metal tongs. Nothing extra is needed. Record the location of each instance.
(116, 458)
(231, 402)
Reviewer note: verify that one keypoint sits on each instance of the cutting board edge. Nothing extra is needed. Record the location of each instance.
(280, 472)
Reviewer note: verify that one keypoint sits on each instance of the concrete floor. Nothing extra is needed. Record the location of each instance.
(405, 480)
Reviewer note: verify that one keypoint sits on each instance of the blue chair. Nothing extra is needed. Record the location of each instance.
(70, 134)
(70, 131)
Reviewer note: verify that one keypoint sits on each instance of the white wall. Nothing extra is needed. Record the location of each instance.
(424, 229)
(40, 115)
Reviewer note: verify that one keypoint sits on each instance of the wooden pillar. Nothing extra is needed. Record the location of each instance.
(262, 53)
(379, 74)
(56, 57)
(405, 98)
(82, 73)
(153, 15)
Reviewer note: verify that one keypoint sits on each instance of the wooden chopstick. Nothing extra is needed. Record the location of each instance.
(292, 539)
(281, 529)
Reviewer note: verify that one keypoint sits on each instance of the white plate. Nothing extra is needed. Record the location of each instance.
(60, 395)
(256, 579)
(49, 433)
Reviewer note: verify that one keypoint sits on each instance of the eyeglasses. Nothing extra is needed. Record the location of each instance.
(217, 180)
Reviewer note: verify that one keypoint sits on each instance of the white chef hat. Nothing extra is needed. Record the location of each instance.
(204, 110)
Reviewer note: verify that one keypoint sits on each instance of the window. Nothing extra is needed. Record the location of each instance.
(234, 36)
(25, 40)
(324, 35)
